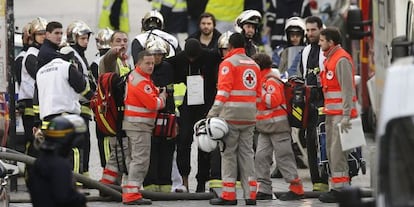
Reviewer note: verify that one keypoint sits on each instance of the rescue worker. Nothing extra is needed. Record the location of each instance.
(142, 102)
(28, 77)
(197, 68)
(103, 44)
(77, 35)
(225, 12)
(247, 23)
(311, 66)
(273, 126)
(50, 47)
(158, 178)
(338, 87)
(17, 72)
(153, 25)
(209, 163)
(237, 91)
(115, 15)
(115, 60)
(51, 177)
(174, 13)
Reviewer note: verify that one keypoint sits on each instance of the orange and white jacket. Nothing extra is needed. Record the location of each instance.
(141, 101)
(271, 115)
(237, 89)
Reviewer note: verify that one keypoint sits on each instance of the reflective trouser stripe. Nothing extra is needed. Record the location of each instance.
(229, 191)
(130, 193)
(107, 148)
(296, 186)
(109, 176)
(253, 188)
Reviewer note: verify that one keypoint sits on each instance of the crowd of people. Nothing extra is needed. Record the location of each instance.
(221, 71)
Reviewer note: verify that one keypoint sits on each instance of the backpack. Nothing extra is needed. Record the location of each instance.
(108, 103)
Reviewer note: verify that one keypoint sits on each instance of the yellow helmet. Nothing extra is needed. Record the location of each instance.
(223, 41)
(152, 20)
(103, 38)
(75, 29)
(37, 25)
(156, 45)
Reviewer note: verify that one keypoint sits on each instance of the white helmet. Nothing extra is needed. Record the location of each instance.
(216, 128)
(249, 16)
(295, 24)
(152, 20)
(156, 45)
(223, 41)
(205, 143)
(103, 38)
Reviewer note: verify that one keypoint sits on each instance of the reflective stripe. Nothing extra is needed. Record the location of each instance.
(337, 106)
(331, 94)
(160, 103)
(240, 104)
(86, 90)
(274, 119)
(218, 103)
(139, 119)
(105, 123)
(268, 100)
(137, 109)
(223, 93)
(132, 183)
(132, 189)
(76, 160)
(28, 111)
(86, 110)
(243, 93)
(267, 112)
(280, 21)
(252, 188)
(215, 183)
(44, 124)
(277, 37)
(36, 109)
(258, 100)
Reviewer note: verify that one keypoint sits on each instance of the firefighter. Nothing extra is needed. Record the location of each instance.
(51, 178)
(142, 102)
(77, 36)
(103, 40)
(274, 129)
(247, 23)
(28, 77)
(50, 48)
(235, 102)
(158, 178)
(309, 70)
(338, 87)
(153, 25)
(115, 15)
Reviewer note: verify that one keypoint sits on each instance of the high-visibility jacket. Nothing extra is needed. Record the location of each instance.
(104, 20)
(175, 5)
(226, 11)
(141, 101)
(237, 89)
(272, 105)
(179, 93)
(333, 104)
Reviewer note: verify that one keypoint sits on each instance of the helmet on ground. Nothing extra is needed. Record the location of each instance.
(216, 128)
(63, 133)
(37, 25)
(75, 29)
(103, 38)
(152, 20)
(156, 45)
(223, 41)
(247, 17)
(205, 143)
(295, 24)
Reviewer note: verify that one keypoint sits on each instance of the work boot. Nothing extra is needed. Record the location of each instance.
(291, 196)
(329, 197)
(250, 202)
(223, 202)
(141, 201)
(165, 188)
(152, 188)
(263, 196)
(320, 187)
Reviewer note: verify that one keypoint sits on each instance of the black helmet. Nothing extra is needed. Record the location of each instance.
(63, 133)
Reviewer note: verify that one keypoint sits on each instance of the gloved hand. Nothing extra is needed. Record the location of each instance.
(345, 124)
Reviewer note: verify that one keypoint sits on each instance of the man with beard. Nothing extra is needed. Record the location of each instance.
(247, 23)
(209, 163)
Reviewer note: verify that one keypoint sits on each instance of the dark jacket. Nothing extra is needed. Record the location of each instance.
(205, 65)
(48, 51)
(51, 183)
(163, 76)
(213, 45)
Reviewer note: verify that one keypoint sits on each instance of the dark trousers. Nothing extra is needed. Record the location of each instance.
(86, 147)
(209, 165)
(189, 115)
(103, 147)
(162, 151)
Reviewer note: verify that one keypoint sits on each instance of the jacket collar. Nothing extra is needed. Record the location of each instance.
(235, 51)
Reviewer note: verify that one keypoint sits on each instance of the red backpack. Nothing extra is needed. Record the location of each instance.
(108, 103)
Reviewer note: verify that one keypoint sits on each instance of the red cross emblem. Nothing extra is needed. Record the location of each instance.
(249, 78)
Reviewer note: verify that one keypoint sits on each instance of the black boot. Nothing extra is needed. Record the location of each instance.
(223, 202)
(329, 197)
(201, 187)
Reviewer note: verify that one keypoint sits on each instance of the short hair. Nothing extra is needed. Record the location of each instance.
(117, 32)
(207, 15)
(53, 25)
(142, 54)
(314, 19)
(236, 40)
(332, 33)
(263, 60)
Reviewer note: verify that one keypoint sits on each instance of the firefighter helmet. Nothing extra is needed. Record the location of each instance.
(152, 20)
(63, 133)
(223, 41)
(205, 143)
(75, 29)
(156, 45)
(295, 24)
(26, 34)
(38, 25)
(247, 17)
(216, 128)
(103, 38)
